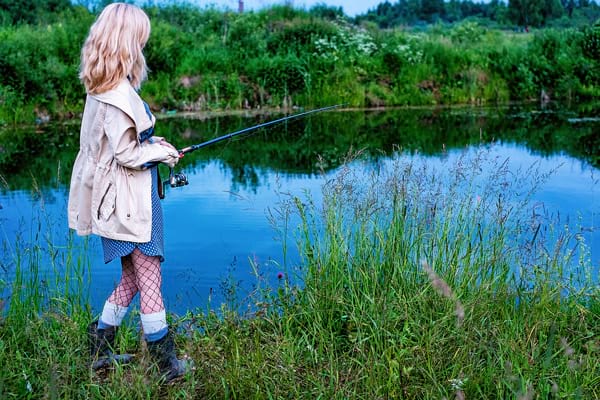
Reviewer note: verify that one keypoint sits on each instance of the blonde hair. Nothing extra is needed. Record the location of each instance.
(113, 49)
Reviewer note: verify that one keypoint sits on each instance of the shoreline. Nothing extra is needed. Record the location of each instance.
(266, 111)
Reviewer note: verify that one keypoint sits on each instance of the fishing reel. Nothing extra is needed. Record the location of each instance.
(177, 180)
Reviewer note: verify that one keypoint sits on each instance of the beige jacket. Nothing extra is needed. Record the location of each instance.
(110, 193)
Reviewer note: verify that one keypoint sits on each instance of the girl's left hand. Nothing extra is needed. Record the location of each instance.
(163, 142)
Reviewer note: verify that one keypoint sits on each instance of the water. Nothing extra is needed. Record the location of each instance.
(218, 226)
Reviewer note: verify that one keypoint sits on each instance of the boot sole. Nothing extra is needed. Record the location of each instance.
(114, 359)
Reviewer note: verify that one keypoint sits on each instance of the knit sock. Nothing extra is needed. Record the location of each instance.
(112, 315)
(154, 325)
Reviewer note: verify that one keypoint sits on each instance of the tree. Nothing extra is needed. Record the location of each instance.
(454, 11)
(322, 10)
(31, 11)
(496, 10)
(432, 10)
(533, 12)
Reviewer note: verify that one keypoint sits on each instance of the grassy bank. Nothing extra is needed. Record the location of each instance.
(204, 59)
(418, 281)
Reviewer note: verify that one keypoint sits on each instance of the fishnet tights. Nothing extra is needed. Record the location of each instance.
(139, 273)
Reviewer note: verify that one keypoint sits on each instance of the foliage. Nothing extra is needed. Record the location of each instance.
(32, 11)
(533, 12)
(523, 13)
(322, 10)
(591, 41)
(204, 59)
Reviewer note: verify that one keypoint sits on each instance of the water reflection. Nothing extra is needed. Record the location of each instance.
(319, 141)
(217, 225)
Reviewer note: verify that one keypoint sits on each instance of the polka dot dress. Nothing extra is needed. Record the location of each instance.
(155, 247)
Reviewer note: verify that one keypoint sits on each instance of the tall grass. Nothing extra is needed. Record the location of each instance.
(416, 281)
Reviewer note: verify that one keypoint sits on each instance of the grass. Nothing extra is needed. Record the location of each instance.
(417, 281)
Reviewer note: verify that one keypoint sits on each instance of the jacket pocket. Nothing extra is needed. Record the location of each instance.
(107, 203)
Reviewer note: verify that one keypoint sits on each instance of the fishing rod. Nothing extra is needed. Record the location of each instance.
(189, 149)
(179, 179)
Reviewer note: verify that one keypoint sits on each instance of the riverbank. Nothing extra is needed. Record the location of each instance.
(414, 283)
(205, 60)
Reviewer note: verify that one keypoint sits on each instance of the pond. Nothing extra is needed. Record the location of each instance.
(219, 226)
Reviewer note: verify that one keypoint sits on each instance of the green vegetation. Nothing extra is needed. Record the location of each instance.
(305, 146)
(415, 282)
(204, 59)
(32, 11)
(518, 13)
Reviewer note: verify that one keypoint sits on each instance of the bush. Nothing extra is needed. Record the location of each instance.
(298, 36)
(206, 58)
(280, 75)
(166, 48)
(590, 44)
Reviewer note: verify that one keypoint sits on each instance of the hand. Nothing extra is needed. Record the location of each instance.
(173, 156)
(171, 161)
(163, 142)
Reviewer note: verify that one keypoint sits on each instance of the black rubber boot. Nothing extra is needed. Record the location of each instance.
(102, 343)
(164, 354)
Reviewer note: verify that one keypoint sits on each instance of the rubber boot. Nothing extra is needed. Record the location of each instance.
(102, 343)
(164, 354)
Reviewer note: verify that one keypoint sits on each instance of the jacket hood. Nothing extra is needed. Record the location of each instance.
(126, 99)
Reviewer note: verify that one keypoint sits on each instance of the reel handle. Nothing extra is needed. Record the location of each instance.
(175, 180)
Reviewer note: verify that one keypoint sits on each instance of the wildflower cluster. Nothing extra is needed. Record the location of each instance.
(351, 42)
(410, 51)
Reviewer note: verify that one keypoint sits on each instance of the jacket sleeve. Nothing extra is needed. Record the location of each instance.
(127, 150)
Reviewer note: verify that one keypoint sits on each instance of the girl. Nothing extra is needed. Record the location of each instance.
(112, 193)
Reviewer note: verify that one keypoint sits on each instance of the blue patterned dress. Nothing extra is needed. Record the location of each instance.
(155, 247)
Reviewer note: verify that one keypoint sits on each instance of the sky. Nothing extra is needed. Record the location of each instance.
(350, 7)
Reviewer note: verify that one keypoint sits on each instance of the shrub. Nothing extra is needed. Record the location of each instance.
(166, 48)
(221, 58)
(280, 75)
(590, 44)
(298, 36)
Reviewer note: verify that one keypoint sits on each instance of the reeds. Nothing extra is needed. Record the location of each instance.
(419, 276)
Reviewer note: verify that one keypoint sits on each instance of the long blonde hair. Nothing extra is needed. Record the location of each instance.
(113, 49)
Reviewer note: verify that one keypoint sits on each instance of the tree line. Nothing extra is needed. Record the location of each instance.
(522, 13)
(206, 59)
(387, 14)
